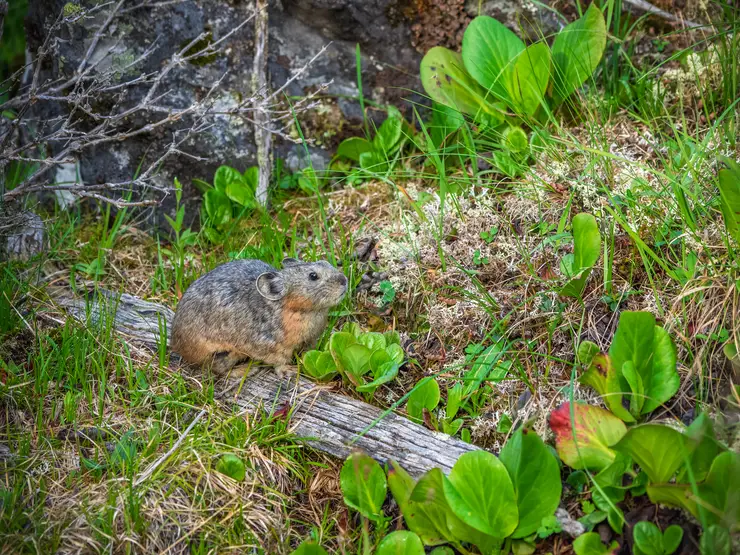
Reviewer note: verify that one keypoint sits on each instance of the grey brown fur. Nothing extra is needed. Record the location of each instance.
(247, 309)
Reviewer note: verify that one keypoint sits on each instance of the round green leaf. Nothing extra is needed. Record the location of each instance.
(481, 494)
(232, 466)
(218, 207)
(372, 340)
(659, 450)
(240, 193)
(224, 176)
(319, 365)
(648, 538)
(716, 541)
(515, 139)
(400, 542)
(577, 50)
(415, 514)
(672, 537)
(310, 548)
(352, 148)
(489, 52)
(536, 477)
(446, 81)
(530, 78)
(363, 485)
(425, 395)
(395, 351)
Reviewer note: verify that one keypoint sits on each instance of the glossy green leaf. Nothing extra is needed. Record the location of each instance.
(535, 475)
(489, 52)
(425, 395)
(232, 466)
(576, 52)
(659, 450)
(392, 338)
(515, 139)
(386, 373)
(356, 361)
(446, 81)
(400, 542)
(353, 147)
(590, 544)
(241, 194)
(251, 177)
(224, 176)
(530, 78)
(729, 192)
(586, 251)
(716, 541)
(481, 494)
(720, 492)
(372, 340)
(426, 518)
(672, 537)
(663, 381)
(387, 138)
(310, 548)
(648, 539)
(363, 485)
(338, 343)
(586, 442)
(218, 207)
(705, 449)
(319, 365)
(637, 398)
(396, 353)
(454, 398)
(587, 350)
(428, 498)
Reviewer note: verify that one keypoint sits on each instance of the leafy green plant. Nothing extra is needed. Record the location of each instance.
(363, 485)
(641, 363)
(376, 155)
(485, 501)
(232, 466)
(590, 544)
(424, 396)
(183, 238)
(357, 356)
(716, 540)
(231, 194)
(729, 194)
(496, 70)
(400, 542)
(649, 540)
(586, 250)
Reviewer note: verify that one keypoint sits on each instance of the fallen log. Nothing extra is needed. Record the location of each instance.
(327, 420)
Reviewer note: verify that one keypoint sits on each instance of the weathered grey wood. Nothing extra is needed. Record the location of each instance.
(327, 420)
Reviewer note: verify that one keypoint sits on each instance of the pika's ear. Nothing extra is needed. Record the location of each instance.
(290, 262)
(271, 286)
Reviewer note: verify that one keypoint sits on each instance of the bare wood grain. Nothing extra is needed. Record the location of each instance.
(329, 421)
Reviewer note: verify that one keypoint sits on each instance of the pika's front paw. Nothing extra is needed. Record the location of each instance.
(285, 370)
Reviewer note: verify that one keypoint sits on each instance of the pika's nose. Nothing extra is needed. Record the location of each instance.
(343, 280)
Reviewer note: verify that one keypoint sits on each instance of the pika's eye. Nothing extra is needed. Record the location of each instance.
(313, 276)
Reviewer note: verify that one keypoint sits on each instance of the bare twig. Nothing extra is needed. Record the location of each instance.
(262, 136)
(150, 470)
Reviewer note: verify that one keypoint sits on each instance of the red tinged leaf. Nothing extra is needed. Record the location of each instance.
(585, 440)
(283, 411)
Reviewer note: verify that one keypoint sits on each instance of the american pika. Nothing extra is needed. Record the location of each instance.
(246, 309)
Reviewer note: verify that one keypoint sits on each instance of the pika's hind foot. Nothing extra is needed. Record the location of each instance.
(285, 370)
(224, 363)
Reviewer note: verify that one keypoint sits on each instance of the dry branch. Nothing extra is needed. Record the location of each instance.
(328, 421)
